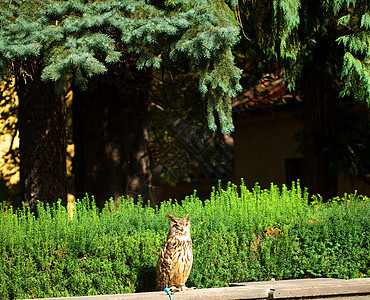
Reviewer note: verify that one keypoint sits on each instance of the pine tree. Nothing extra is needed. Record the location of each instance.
(325, 43)
(41, 113)
(324, 48)
(76, 40)
(79, 39)
(110, 132)
(42, 148)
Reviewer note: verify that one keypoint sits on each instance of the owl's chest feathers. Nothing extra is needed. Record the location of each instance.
(180, 242)
(180, 249)
(183, 238)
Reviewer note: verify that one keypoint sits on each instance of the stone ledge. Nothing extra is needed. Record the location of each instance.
(320, 288)
(313, 288)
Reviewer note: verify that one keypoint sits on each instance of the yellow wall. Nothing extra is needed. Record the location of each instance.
(345, 185)
(9, 139)
(261, 144)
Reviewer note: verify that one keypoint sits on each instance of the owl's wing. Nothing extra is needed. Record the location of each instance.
(188, 260)
(165, 264)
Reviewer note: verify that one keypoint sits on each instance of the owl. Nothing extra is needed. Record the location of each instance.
(176, 257)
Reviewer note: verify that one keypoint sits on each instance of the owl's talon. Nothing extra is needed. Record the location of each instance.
(185, 288)
(173, 290)
(182, 288)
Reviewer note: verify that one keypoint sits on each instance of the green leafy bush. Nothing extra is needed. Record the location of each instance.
(238, 235)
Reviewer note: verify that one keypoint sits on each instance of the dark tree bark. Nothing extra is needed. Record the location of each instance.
(320, 124)
(41, 123)
(320, 88)
(110, 123)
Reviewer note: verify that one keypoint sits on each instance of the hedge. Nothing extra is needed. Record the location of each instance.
(238, 235)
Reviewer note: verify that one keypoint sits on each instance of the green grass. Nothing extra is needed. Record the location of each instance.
(238, 235)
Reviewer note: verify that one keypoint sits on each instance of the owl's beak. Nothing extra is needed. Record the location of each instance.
(182, 228)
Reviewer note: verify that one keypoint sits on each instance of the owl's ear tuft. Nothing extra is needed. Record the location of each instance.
(188, 217)
(172, 217)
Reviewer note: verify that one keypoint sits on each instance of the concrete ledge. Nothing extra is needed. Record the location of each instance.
(321, 288)
(313, 288)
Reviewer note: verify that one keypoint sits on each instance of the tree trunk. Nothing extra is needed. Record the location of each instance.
(320, 123)
(41, 123)
(110, 123)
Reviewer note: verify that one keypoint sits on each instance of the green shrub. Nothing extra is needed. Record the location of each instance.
(238, 235)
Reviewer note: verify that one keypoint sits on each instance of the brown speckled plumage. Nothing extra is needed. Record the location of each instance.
(176, 257)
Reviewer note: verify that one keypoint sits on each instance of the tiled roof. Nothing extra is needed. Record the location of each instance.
(270, 90)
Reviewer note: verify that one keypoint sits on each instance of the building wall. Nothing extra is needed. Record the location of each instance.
(265, 151)
(345, 185)
(262, 143)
